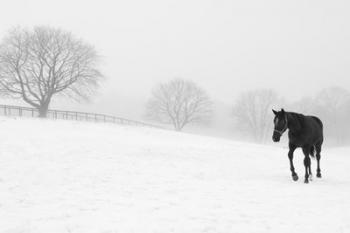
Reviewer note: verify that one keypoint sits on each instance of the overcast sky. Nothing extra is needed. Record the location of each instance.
(226, 46)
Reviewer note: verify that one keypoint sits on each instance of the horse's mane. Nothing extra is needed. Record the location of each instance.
(298, 115)
(295, 120)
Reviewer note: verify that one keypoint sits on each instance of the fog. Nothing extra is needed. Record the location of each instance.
(227, 47)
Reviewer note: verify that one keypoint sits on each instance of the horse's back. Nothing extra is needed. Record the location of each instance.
(311, 121)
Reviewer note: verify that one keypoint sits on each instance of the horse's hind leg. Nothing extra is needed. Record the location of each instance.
(309, 168)
(307, 163)
(318, 157)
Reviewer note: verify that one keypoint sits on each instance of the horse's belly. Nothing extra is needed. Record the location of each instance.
(301, 142)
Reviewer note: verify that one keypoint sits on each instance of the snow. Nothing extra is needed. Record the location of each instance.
(76, 177)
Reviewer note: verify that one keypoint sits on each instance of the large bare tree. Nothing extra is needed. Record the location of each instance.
(40, 63)
(179, 102)
(252, 113)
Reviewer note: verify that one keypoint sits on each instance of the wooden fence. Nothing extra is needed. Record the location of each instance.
(9, 110)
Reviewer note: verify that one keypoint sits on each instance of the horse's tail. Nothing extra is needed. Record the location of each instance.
(312, 151)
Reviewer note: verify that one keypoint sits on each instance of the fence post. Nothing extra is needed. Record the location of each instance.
(5, 111)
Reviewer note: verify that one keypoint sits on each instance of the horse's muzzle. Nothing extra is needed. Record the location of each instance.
(275, 138)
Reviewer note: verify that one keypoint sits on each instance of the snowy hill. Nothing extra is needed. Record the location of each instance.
(75, 177)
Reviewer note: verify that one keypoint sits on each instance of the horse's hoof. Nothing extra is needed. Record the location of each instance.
(319, 175)
(310, 177)
(306, 181)
(295, 177)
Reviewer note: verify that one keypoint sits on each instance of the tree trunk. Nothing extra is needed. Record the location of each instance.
(43, 109)
(178, 128)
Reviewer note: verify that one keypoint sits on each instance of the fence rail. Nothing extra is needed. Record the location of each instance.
(10, 110)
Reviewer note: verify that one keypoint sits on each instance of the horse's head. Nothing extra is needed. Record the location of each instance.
(280, 124)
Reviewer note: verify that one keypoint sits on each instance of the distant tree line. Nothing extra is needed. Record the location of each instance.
(332, 105)
(253, 117)
(181, 103)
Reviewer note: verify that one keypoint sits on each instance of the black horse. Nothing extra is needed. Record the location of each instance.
(305, 132)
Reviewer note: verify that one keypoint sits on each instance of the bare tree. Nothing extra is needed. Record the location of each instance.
(38, 64)
(179, 103)
(252, 113)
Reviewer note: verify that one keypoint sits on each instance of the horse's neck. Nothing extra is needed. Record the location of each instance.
(294, 123)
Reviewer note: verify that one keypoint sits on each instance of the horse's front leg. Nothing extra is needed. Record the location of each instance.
(307, 163)
(290, 156)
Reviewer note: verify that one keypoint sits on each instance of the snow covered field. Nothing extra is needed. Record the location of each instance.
(76, 177)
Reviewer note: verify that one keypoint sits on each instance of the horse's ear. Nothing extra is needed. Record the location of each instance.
(282, 110)
(274, 112)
